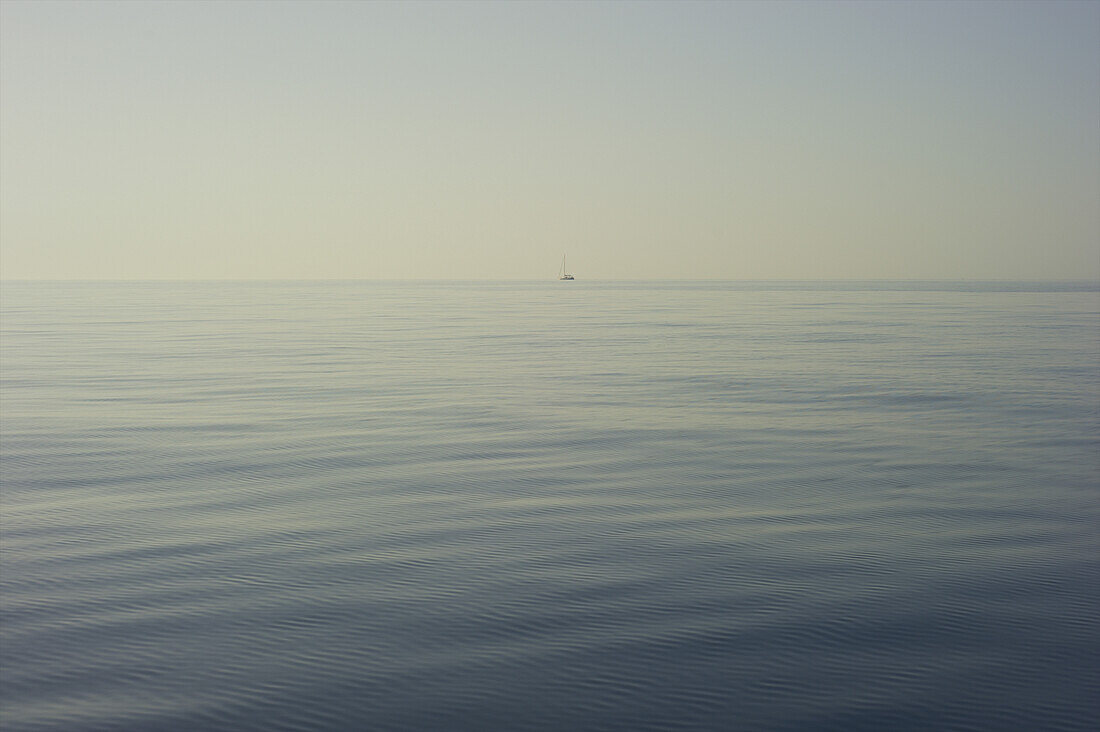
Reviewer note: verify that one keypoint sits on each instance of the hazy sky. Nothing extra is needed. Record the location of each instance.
(484, 140)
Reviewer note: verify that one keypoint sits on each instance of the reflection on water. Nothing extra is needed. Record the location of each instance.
(534, 506)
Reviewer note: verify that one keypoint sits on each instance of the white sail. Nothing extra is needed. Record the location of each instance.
(562, 274)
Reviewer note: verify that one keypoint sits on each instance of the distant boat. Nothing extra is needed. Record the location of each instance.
(562, 274)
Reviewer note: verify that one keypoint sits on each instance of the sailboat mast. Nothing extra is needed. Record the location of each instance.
(563, 274)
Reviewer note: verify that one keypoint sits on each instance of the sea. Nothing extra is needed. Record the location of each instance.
(355, 505)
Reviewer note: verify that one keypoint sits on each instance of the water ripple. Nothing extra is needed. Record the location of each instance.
(391, 507)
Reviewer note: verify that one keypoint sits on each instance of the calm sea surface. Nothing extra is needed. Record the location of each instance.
(550, 506)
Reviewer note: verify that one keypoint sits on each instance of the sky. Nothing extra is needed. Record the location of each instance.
(645, 140)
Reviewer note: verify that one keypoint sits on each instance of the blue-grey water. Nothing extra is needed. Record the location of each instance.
(550, 506)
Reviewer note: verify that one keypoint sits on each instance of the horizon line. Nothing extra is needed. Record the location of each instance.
(1076, 280)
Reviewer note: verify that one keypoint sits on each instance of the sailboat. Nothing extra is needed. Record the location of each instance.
(562, 274)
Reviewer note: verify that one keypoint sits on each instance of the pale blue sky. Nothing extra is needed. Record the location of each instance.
(483, 140)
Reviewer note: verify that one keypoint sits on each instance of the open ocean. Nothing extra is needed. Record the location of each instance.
(550, 506)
